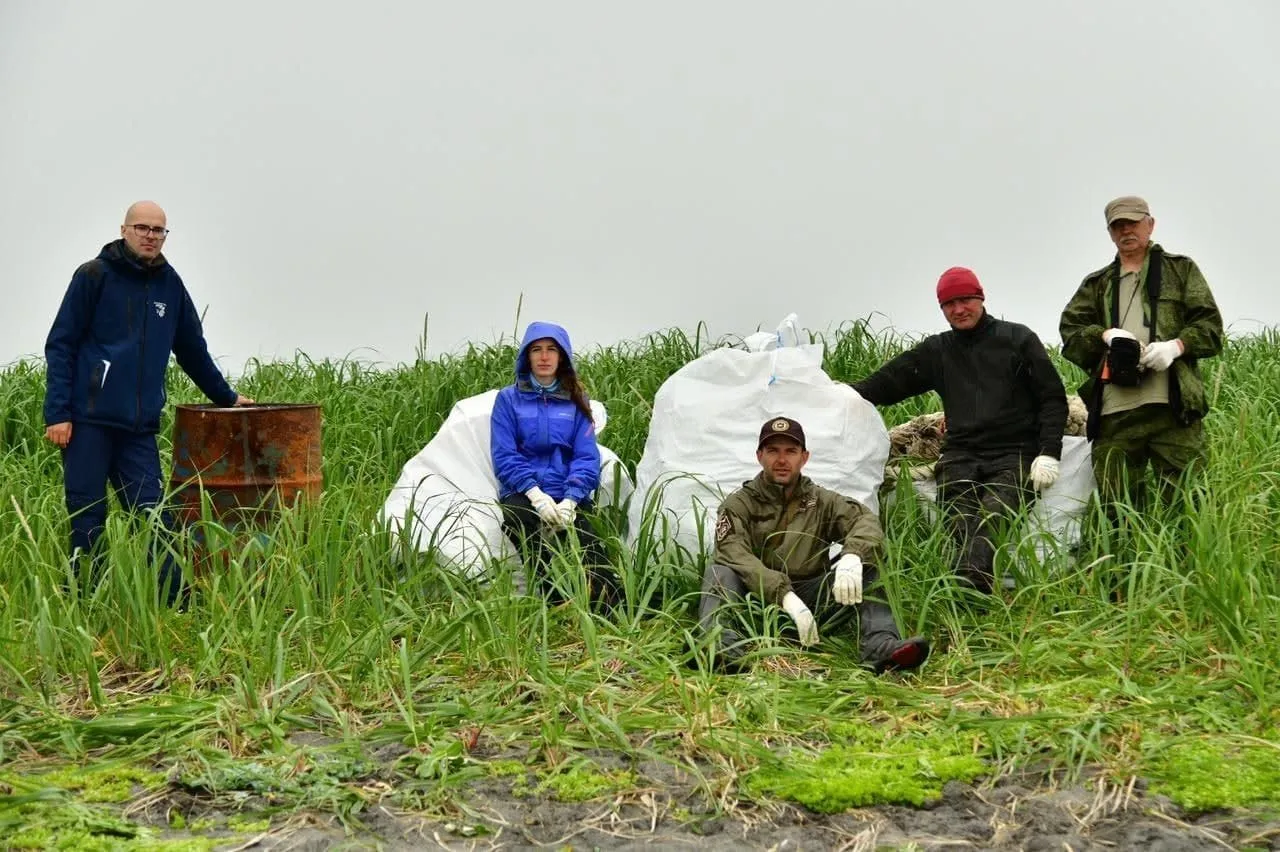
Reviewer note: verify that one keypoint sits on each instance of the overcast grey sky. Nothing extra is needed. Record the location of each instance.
(335, 171)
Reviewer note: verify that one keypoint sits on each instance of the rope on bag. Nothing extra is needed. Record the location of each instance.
(789, 321)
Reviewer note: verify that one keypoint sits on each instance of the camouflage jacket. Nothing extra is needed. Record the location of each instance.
(767, 539)
(1183, 309)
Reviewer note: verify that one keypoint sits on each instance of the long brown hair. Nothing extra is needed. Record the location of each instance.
(573, 386)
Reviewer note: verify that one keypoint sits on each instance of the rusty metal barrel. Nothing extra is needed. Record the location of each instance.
(250, 460)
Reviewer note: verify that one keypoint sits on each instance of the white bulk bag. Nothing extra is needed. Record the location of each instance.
(706, 419)
(1054, 519)
(448, 493)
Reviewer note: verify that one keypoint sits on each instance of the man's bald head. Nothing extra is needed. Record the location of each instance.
(143, 208)
(144, 229)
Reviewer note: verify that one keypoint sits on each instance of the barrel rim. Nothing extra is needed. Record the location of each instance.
(256, 406)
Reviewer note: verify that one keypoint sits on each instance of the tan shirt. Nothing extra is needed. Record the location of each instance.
(1154, 387)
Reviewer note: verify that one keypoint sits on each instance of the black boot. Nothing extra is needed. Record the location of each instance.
(904, 655)
(731, 652)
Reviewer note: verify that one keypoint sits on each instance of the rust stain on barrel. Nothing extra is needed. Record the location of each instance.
(250, 460)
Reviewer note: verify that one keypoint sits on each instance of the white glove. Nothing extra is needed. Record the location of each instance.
(1044, 472)
(805, 625)
(1160, 355)
(544, 506)
(848, 582)
(568, 510)
(1112, 333)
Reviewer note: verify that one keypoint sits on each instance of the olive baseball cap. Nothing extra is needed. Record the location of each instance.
(781, 427)
(1131, 208)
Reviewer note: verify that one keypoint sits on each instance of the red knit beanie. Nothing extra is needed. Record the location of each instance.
(958, 283)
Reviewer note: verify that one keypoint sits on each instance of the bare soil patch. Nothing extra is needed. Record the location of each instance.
(669, 812)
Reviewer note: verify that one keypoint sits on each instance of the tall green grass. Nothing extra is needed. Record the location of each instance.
(316, 628)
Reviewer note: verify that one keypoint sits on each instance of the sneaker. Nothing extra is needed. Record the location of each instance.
(908, 654)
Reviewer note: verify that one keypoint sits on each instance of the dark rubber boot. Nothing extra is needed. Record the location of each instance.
(907, 655)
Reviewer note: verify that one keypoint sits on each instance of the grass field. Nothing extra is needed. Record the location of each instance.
(316, 677)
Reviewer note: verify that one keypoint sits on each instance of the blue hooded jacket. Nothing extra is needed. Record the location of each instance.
(109, 346)
(539, 437)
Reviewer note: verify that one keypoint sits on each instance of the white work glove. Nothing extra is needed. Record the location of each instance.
(805, 625)
(1112, 333)
(1160, 355)
(1044, 472)
(544, 506)
(568, 510)
(848, 582)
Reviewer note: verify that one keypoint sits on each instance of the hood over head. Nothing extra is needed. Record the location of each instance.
(537, 331)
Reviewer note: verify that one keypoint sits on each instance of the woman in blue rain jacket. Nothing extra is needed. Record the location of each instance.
(547, 462)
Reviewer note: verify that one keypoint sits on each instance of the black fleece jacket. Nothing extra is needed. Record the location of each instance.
(1000, 392)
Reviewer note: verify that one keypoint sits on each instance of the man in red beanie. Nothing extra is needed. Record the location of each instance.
(1005, 410)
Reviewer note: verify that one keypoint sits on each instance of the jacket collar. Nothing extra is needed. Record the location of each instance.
(1152, 245)
(765, 489)
(979, 330)
(524, 385)
(118, 253)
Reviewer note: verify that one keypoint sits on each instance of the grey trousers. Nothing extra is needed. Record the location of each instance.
(878, 631)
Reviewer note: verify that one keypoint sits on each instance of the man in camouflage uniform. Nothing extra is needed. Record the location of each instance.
(773, 536)
(1160, 304)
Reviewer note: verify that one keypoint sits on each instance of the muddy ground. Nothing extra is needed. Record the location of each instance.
(1022, 814)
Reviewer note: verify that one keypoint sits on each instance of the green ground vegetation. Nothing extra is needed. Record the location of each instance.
(317, 671)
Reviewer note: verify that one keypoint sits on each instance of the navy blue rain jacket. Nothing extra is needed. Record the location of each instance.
(540, 437)
(109, 346)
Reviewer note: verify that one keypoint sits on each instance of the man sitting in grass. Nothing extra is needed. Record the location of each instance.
(772, 539)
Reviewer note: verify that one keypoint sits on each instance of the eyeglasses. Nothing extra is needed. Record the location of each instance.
(153, 230)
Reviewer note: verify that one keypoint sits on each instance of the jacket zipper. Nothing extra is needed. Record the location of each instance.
(545, 422)
(787, 515)
(142, 348)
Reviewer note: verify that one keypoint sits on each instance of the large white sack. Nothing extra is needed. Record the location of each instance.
(448, 493)
(706, 420)
(1054, 520)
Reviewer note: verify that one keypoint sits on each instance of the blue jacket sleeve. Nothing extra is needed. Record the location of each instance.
(512, 469)
(61, 347)
(192, 352)
(584, 469)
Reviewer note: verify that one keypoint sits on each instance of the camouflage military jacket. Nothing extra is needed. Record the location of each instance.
(768, 539)
(1183, 309)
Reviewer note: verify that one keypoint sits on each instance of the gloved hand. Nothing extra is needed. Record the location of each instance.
(1160, 354)
(1111, 333)
(568, 510)
(1044, 472)
(805, 625)
(847, 586)
(544, 506)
